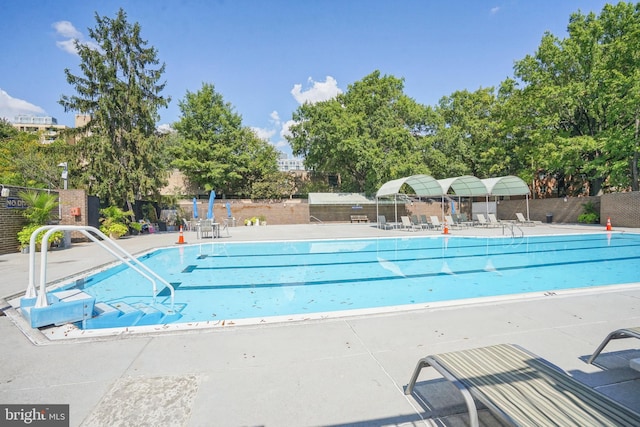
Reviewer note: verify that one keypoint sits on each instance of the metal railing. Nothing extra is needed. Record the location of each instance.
(317, 219)
(512, 227)
(106, 243)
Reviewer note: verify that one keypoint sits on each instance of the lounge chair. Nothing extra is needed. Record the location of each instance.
(407, 224)
(435, 222)
(452, 222)
(522, 389)
(493, 221)
(520, 219)
(382, 223)
(482, 221)
(617, 334)
(424, 223)
(462, 219)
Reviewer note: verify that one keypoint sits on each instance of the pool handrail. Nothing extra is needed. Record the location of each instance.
(124, 256)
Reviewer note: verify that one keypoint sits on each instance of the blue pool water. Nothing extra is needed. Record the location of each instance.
(224, 281)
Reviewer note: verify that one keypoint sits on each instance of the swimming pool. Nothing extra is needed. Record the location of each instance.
(226, 281)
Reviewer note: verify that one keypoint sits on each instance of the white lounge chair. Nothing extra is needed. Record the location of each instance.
(520, 219)
(521, 389)
(482, 221)
(493, 221)
(435, 222)
(407, 224)
(452, 222)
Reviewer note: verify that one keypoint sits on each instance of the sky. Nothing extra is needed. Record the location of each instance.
(267, 57)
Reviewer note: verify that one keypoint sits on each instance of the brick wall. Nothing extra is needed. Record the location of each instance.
(622, 208)
(11, 222)
(69, 200)
(563, 212)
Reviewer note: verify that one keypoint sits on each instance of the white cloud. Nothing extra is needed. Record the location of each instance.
(262, 133)
(11, 107)
(319, 91)
(495, 10)
(165, 128)
(284, 132)
(275, 118)
(66, 30)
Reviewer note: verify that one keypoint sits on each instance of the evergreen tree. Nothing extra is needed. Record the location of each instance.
(120, 90)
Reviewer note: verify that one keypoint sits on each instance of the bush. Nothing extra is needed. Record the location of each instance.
(24, 235)
(115, 222)
(590, 215)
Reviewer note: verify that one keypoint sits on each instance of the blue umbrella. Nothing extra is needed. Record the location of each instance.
(453, 207)
(212, 196)
(195, 208)
(229, 210)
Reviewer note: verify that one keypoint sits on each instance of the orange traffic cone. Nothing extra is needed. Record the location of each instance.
(181, 237)
(446, 228)
(608, 224)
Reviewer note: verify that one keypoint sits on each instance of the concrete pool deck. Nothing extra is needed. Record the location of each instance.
(335, 372)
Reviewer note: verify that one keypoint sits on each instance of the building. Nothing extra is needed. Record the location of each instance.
(45, 126)
(286, 164)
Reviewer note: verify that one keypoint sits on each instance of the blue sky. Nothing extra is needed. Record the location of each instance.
(266, 57)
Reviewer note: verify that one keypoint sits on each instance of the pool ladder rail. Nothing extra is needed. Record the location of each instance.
(73, 305)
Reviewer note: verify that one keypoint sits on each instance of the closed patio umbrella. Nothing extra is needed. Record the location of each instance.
(212, 196)
(195, 207)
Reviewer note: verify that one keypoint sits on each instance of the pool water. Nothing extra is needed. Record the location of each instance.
(228, 280)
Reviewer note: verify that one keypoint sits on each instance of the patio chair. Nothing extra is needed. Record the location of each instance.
(617, 334)
(435, 222)
(451, 222)
(493, 220)
(382, 223)
(521, 388)
(482, 221)
(407, 224)
(520, 219)
(424, 223)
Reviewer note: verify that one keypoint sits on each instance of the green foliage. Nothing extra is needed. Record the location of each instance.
(24, 235)
(590, 214)
(115, 221)
(40, 206)
(215, 151)
(40, 211)
(120, 90)
(368, 135)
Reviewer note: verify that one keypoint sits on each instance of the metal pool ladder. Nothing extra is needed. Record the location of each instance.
(512, 227)
(106, 243)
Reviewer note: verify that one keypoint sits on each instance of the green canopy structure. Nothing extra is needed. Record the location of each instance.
(507, 186)
(422, 185)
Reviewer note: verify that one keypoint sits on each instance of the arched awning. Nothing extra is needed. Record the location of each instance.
(422, 185)
(465, 186)
(506, 186)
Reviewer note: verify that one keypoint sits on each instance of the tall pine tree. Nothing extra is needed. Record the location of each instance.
(119, 89)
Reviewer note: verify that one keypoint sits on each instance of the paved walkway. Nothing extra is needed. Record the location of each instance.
(335, 372)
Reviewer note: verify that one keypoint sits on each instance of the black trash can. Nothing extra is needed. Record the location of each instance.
(549, 218)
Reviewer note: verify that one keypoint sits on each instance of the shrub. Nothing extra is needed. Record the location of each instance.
(589, 215)
(115, 222)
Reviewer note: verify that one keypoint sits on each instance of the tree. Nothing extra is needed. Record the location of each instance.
(581, 99)
(215, 151)
(119, 88)
(25, 162)
(370, 134)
